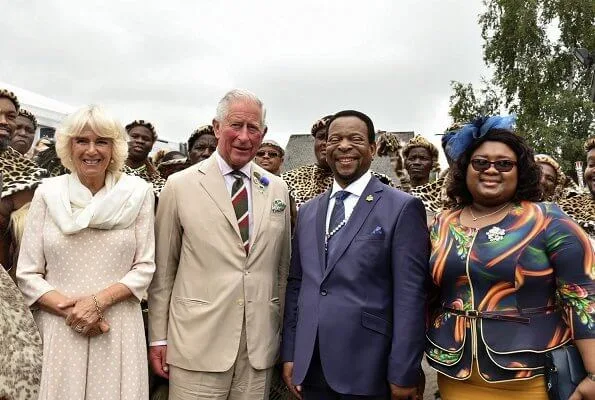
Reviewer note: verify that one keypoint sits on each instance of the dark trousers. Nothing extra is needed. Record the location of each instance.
(315, 386)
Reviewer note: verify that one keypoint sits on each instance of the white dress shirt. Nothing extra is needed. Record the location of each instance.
(355, 189)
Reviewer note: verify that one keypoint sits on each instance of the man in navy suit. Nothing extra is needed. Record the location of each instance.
(354, 315)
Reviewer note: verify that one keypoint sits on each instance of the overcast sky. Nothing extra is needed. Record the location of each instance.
(169, 62)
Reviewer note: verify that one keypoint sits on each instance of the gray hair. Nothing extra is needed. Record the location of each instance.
(239, 95)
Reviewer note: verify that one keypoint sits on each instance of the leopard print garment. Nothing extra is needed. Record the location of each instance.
(433, 195)
(309, 181)
(18, 173)
(21, 349)
(142, 172)
(581, 208)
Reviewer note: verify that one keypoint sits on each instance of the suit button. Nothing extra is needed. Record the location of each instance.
(240, 302)
(323, 292)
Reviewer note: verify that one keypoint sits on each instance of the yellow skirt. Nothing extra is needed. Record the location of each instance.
(476, 388)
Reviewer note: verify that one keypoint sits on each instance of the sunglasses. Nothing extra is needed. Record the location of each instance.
(271, 154)
(482, 165)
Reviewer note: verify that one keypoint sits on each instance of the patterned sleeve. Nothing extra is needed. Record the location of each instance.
(571, 254)
(31, 262)
(434, 290)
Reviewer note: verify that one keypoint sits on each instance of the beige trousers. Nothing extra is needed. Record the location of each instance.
(240, 382)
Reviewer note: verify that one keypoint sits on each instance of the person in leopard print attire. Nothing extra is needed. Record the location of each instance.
(21, 348)
(421, 161)
(552, 180)
(20, 178)
(433, 194)
(142, 136)
(580, 206)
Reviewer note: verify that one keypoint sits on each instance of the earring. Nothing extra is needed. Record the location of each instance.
(111, 161)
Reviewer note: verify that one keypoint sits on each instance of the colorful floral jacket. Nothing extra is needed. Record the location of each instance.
(535, 257)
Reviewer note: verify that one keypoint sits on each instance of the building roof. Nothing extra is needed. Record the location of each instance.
(300, 151)
(47, 111)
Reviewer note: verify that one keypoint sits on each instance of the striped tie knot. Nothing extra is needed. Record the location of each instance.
(341, 195)
(239, 200)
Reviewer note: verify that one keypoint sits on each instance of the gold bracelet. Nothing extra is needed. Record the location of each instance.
(111, 298)
(97, 307)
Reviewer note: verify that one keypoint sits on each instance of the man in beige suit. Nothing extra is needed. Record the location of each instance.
(222, 243)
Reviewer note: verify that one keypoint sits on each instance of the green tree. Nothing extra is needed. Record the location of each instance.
(467, 104)
(528, 45)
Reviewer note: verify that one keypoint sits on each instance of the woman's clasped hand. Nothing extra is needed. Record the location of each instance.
(85, 315)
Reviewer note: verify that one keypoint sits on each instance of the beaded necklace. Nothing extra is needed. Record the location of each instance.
(330, 234)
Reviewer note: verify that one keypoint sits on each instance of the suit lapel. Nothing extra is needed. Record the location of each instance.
(214, 184)
(361, 211)
(259, 201)
(321, 208)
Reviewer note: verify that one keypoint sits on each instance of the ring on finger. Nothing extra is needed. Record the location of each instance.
(78, 328)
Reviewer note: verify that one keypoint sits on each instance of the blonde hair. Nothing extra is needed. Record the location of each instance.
(103, 125)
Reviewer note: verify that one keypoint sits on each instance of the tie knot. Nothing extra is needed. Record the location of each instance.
(341, 195)
(237, 174)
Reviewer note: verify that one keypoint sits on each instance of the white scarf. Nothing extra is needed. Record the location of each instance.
(73, 207)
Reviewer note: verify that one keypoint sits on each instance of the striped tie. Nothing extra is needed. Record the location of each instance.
(338, 212)
(239, 199)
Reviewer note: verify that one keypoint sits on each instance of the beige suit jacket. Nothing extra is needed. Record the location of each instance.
(205, 283)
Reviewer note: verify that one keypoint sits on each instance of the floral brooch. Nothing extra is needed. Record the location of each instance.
(260, 181)
(495, 234)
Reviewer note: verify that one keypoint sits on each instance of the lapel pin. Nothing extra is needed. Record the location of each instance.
(260, 181)
(369, 198)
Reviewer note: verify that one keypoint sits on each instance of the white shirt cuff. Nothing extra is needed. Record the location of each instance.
(158, 343)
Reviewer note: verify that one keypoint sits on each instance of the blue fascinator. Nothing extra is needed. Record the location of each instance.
(456, 142)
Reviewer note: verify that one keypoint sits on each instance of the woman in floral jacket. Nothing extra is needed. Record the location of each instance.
(515, 277)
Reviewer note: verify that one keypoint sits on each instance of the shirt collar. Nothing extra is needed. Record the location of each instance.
(226, 169)
(356, 187)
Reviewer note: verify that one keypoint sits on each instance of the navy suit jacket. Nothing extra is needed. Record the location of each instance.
(366, 300)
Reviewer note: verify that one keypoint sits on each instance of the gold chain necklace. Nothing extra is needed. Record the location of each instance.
(487, 215)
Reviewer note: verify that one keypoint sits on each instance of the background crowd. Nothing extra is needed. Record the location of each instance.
(496, 252)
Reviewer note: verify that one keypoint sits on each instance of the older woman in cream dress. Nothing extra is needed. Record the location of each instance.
(86, 260)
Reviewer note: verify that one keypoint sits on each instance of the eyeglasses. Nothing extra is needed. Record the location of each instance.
(271, 154)
(482, 165)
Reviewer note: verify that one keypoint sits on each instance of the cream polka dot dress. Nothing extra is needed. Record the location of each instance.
(110, 366)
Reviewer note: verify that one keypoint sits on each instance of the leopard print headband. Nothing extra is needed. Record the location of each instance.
(28, 114)
(198, 132)
(321, 123)
(142, 122)
(420, 141)
(10, 96)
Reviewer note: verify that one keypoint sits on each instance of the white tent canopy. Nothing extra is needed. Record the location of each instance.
(49, 112)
